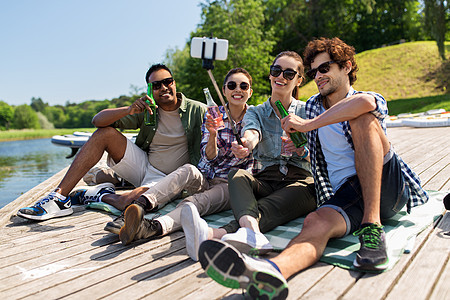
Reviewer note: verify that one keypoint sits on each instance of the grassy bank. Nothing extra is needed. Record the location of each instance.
(27, 134)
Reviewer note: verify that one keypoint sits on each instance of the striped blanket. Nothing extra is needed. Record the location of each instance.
(401, 231)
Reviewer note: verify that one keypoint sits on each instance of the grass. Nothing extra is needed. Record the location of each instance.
(416, 105)
(26, 134)
(411, 73)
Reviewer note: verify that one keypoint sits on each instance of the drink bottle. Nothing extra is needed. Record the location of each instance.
(284, 139)
(150, 119)
(298, 138)
(213, 109)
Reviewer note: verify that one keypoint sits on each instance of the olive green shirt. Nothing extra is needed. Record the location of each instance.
(191, 115)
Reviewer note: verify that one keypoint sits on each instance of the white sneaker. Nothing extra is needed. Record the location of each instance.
(249, 242)
(88, 194)
(52, 206)
(194, 227)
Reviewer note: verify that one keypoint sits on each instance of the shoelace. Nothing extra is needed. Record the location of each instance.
(371, 235)
(44, 200)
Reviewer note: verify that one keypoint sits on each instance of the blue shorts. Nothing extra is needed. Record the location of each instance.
(348, 200)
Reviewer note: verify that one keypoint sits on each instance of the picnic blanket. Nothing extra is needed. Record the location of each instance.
(401, 230)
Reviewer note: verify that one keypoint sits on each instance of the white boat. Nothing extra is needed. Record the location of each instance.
(76, 140)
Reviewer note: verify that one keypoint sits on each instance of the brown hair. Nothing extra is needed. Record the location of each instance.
(300, 68)
(238, 70)
(338, 50)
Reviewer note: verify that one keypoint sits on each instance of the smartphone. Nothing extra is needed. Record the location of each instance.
(204, 48)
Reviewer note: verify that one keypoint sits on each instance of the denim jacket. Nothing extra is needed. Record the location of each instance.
(263, 119)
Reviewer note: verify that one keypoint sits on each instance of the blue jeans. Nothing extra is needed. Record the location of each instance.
(348, 199)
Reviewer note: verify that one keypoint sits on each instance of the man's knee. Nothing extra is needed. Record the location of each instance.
(190, 170)
(236, 174)
(364, 122)
(325, 222)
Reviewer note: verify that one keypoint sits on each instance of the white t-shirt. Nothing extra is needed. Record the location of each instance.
(169, 147)
(338, 153)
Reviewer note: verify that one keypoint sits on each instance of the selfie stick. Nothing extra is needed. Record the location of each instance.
(208, 65)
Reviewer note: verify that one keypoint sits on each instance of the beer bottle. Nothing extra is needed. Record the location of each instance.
(150, 119)
(298, 138)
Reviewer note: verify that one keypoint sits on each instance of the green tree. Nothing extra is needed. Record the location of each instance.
(25, 117)
(250, 46)
(365, 24)
(437, 18)
(38, 105)
(55, 115)
(6, 115)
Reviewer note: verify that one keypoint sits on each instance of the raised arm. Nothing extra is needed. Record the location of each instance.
(108, 116)
(344, 110)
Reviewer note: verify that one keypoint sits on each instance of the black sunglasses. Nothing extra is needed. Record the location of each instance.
(323, 68)
(288, 74)
(231, 85)
(156, 85)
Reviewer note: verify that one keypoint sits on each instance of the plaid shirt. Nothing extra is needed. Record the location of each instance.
(225, 161)
(324, 191)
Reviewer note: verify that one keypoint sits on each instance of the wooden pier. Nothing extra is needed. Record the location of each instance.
(74, 258)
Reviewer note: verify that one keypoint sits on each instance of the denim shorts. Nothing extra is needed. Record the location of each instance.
(348, 200)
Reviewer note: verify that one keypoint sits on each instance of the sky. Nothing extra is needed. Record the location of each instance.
(78, 50)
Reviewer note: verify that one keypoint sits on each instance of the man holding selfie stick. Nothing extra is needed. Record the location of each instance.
(160, 149)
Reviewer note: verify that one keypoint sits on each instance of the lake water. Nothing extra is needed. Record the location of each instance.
(25, 164)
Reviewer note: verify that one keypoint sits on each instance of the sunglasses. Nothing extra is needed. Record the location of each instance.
(231, 85)
(156, 85)
(323, 68)
(288, 74)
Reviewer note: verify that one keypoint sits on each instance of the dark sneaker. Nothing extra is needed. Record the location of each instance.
(372, 255)
(115, 225)
(136, 227)
(52, 206)
(227, 266)
(88, 194)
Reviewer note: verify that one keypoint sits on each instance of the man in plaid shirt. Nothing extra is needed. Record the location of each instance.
(359, 179)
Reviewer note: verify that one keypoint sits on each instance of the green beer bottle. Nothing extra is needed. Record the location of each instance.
(298, 138)
(150, 119)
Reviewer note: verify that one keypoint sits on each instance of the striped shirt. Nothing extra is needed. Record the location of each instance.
(225, 161)
(324, 190)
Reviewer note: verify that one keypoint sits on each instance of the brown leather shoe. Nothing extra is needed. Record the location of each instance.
(136, 227)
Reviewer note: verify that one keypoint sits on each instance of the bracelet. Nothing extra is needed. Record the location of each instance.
(306, 153)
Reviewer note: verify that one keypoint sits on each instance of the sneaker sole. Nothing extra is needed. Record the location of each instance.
(247, 249)
(133, 219)
(62, 213)
(189, 223)
(112, 229)
(379, 267)
(225, 265)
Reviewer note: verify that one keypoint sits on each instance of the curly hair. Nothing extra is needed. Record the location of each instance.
(300, 67)
(338, 50)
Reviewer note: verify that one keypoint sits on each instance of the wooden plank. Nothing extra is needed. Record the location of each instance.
(442, 288)
(152, 280)
(119, 274)
(333, 285)
(63, 271)
(434, 172)
(418, 280)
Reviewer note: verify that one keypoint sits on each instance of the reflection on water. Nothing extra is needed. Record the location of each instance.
(25, 164)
